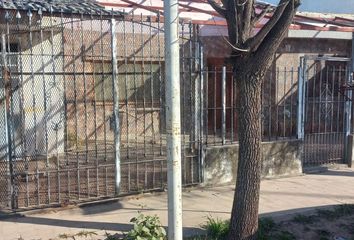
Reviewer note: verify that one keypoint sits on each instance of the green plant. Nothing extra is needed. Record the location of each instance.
(337, 212)
(265, 226)
(146, 228)
(216, 228)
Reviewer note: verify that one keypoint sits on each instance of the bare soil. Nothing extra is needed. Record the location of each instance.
(324, 224)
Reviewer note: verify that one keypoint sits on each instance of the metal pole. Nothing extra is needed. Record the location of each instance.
(201, 114)
(115, 107)
(173, 120)
(349, 104)
(223, 96)
(300, 109)
(7, 126)
(352, 56)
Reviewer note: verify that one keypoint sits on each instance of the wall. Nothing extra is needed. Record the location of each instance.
(280, 159)
(43, 93)
(37, 96)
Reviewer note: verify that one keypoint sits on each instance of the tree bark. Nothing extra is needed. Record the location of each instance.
(244, 221)
(251, 56)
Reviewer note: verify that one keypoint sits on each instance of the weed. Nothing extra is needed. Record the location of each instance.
(349, 228)
(81, 234)
(111, 237)
(337, 212)
(265, 226)
(344, 210)
(216, 228)
(147, 228)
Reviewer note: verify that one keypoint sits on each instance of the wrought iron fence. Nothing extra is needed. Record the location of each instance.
(327, 109)
(279, 105)
(57, 108)
(56, 111)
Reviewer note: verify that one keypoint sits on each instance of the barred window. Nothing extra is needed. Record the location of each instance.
(137, 82)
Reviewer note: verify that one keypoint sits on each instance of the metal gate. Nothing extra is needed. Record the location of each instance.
(326, 109)
(57, 141)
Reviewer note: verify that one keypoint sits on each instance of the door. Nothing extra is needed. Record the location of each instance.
(326, 110)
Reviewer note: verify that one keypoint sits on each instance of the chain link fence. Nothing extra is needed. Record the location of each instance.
(56, 111)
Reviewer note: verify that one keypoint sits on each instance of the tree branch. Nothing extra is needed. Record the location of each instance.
(232, 21)
(218, 8)
(268, 47)
(255, 41)
(261, 15)
(239, 6)
(247, 20)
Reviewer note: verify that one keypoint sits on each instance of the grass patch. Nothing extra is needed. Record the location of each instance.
(265, 227)
(304, 219)
(337, 212)
(349, 228)
(217, 229)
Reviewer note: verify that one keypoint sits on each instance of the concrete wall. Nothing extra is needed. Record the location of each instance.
(280, 159)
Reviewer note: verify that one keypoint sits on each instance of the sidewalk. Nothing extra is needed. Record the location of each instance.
(279, 197)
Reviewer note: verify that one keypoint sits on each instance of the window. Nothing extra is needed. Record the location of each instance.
(13, 47)
(137, 82)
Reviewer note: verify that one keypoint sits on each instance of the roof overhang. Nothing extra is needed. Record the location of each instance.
(200, 12)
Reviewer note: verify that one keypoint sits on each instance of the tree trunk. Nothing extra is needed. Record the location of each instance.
(244, 217)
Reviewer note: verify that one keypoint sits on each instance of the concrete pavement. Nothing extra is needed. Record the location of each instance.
(279, 198)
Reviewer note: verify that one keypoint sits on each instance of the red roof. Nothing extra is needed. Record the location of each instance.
(200, 12)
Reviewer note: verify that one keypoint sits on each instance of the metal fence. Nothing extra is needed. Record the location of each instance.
(279, 105)
(56, 110)
(327, 109)
(58, 113)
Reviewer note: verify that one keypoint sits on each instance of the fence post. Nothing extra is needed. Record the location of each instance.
(5, 76)
(196, 94)
(300, 106)
(173, 120)
(348, 111)
(201, 118)
(115, 107)
(223, 97)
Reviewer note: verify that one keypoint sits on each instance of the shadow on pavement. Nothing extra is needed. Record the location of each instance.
(339, 173)
(120, 228)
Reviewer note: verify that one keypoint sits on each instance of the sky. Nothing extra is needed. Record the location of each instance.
(324, 6)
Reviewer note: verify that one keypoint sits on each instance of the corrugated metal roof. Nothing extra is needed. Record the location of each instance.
(67, 6)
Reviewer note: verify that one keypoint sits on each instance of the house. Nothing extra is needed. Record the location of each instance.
(57, 140)
(317, 51)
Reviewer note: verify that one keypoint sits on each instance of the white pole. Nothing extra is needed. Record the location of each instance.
(223, 97)
(173, 120)
(115, 107)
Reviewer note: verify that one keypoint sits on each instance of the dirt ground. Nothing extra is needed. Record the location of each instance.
(330, 223)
